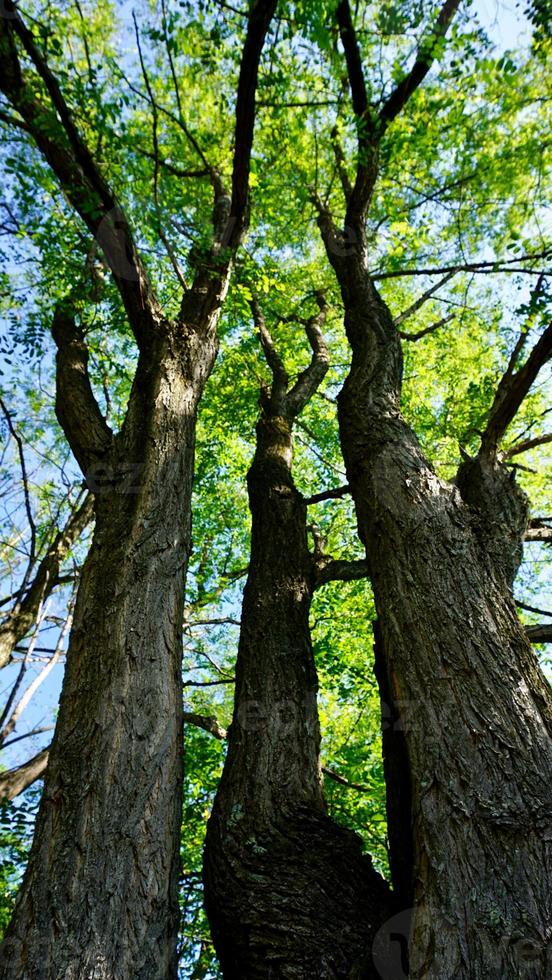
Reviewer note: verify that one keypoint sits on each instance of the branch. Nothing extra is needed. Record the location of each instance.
(538, 531)
(27, 696)
(210, 724)
(427, 52)
(512, 390)
(25, 612)
(56, 136)
(260, 17)
(506, 266)
(334, 494)
(367, 133)
(279, 374)
(422, 299)
(207, 723)
(345, 782)
(333, 570)
(427, 330)
(542, 633)
(24, 476)
(15, 781)
(311, 378)
(527, 444)
(77, 410)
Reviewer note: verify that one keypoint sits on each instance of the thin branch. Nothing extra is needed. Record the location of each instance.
(36, 683)
(533, 609)
(497, 267)
(25, 478)
(417, 304)
(334, 494)
(20, 619)
(527, 444)
(332, 774)
(31, 734)
(427, 330)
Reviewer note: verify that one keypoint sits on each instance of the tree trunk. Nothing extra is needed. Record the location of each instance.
(288, 892)
(476, 713)
(99, 897)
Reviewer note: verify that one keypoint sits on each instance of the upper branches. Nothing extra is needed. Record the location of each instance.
(55, 134)
(290, 403)
(371, 125)
(231, 212)
(511, 391)
(260, 17)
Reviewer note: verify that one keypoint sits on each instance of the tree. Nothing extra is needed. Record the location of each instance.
(120, 715)
(448, 158)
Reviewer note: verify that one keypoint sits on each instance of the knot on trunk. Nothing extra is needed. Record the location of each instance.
(501, 508)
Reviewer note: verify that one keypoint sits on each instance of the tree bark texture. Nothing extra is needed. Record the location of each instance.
(99, 898)
(475, 713)
(288, 891)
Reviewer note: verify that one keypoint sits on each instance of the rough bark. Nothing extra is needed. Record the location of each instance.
(288, 892)
(475, 709)
(100, 892)
(99, 896)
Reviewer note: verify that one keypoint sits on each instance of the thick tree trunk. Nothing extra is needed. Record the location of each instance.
(288, 892)
(99, 898)
(476, 713)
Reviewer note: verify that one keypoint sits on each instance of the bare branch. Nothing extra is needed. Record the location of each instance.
(332, 774)
(332, 570)
(208, 723)
(527, 444)
(15, 781)
(538, 532)
(19, 708)
(279, 374)
(24, 476)
(422, 299)
(427, 330)
(341, 165)
(507, 265)
(334, 494)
